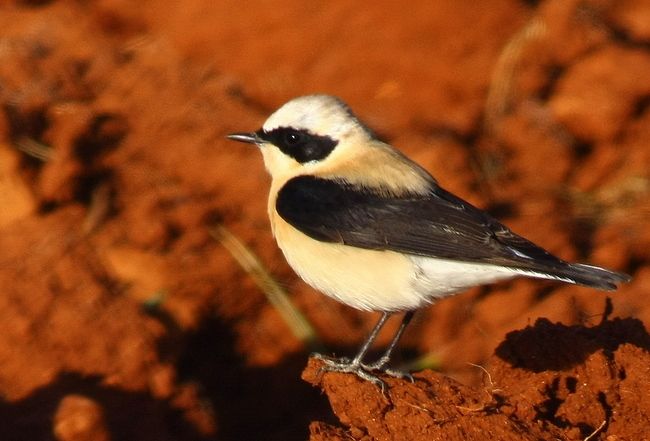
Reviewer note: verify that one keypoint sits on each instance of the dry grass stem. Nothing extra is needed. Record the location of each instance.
(277, 296)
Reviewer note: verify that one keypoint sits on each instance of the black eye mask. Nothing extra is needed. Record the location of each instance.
(301, 145)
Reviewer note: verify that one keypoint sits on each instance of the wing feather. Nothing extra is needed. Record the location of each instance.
(434, 224)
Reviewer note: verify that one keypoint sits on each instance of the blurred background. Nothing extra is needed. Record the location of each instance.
(130, 305)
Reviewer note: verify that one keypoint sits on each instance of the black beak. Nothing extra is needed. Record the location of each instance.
(249, 138)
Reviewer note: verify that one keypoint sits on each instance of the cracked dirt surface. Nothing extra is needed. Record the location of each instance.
(122, 318)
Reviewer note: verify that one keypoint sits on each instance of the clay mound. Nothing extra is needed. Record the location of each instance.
(546, 382)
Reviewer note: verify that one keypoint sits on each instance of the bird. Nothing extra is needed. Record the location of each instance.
(362, 223)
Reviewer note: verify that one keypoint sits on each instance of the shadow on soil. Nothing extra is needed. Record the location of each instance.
(554, 346)
(251, 403)
(128, 415)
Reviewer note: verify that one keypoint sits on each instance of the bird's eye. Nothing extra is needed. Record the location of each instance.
(292, 138)
(301, 145)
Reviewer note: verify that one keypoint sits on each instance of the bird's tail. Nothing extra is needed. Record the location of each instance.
(583, 274)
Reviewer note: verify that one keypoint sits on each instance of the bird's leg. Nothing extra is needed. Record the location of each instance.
(371, 338)
(355, 365)
(380, 365)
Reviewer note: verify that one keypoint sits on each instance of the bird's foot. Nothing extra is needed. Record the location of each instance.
(330, 360)
(362, 370)
(344, 364)
(381, 365)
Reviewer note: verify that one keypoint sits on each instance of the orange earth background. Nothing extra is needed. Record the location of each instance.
(122, 317)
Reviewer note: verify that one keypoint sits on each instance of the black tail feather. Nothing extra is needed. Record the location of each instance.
(597, 277)
(588, 275)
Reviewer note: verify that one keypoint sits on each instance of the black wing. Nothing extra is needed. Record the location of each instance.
(436, 224)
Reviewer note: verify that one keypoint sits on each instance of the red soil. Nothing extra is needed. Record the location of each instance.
(122, 318)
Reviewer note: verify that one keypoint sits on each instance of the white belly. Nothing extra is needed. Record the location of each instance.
(378, 280)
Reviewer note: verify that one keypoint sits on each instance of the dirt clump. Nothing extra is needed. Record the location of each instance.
(548, 381)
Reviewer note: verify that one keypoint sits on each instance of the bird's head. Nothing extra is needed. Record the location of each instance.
(307, 134)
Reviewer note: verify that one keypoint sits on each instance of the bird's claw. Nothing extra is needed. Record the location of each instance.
(362, 370)
(331, 360)
(380, 366)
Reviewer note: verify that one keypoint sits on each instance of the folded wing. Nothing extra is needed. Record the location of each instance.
(435, 224)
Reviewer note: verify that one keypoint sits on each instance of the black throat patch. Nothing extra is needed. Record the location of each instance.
(301, 145)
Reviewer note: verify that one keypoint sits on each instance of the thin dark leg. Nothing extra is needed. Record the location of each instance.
(383, 361)
(371, 338)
